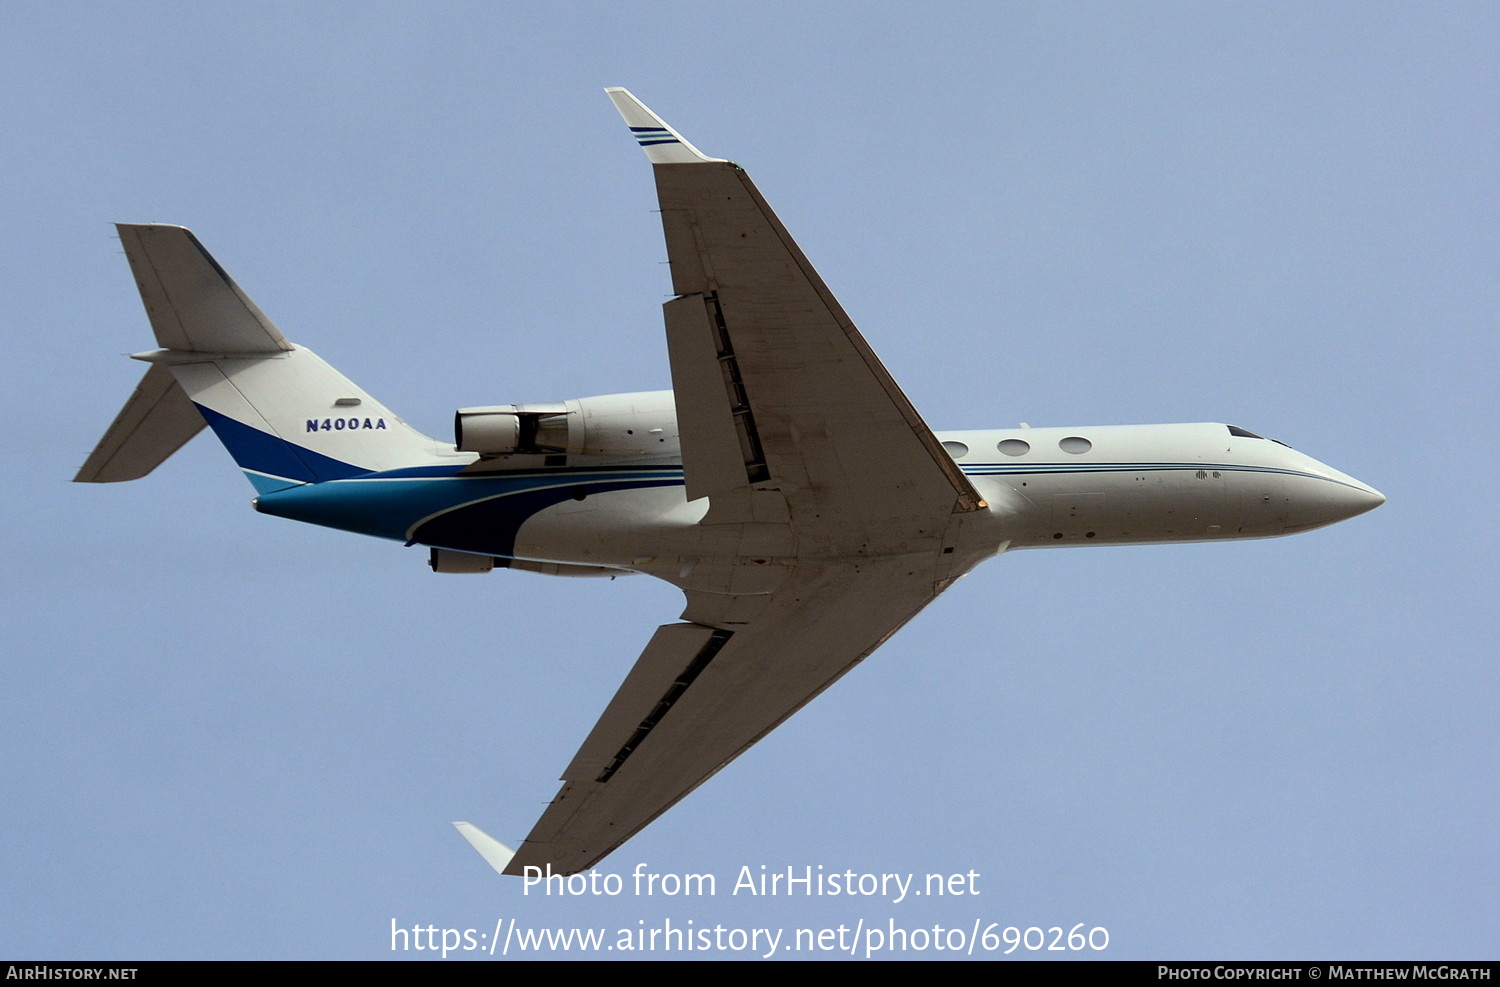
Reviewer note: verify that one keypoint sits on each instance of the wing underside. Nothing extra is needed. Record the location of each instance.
(776, 388)
(699, 696)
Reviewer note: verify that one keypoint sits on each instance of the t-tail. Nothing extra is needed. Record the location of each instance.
(285, 416)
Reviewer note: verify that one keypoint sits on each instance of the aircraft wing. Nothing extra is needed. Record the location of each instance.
(833, 510)
(777, 392)
(699, 696)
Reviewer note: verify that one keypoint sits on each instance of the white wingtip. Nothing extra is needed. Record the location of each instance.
(662, 144)
(495, 853)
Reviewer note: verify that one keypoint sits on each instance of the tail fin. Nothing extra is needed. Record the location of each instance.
(284, 415)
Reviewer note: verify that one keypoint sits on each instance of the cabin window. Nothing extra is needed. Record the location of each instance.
(1075, 444)
(956, 449)
(1014, 447)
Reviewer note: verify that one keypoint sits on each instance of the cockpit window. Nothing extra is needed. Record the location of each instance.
(1243, 432)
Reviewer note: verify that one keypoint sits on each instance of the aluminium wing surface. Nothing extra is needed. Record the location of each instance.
(842, 504)
(699, 696)
(798, 407)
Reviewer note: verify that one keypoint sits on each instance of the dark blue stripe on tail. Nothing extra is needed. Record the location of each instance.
(262, 452)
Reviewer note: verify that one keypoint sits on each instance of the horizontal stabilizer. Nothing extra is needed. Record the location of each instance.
(495, 853)
(156, 422)
(192, 303)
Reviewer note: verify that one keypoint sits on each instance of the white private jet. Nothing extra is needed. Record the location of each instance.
(786, 484)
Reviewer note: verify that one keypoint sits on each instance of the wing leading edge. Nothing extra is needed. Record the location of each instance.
(805, 445)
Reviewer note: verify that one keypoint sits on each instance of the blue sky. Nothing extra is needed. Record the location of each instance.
(231, 736)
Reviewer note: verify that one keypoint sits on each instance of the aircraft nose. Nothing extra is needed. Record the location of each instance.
(1328, 499)
(1349, 501)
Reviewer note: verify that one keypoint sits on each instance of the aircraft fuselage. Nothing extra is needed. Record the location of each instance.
(1044, 488)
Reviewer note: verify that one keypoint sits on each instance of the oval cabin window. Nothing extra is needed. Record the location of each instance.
(1014, 447)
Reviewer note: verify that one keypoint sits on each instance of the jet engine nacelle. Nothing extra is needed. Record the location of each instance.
(609, 425)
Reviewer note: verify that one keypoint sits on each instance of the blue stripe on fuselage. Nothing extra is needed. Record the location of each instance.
(489, 527)
(466, 509)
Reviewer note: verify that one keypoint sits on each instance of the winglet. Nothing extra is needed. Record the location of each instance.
(662, 144)
(495, 853)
